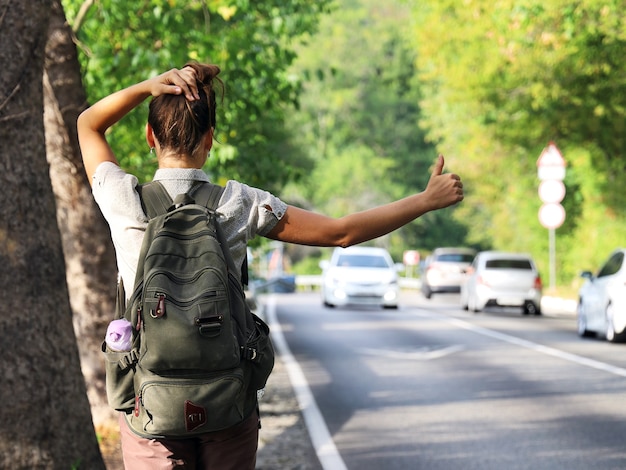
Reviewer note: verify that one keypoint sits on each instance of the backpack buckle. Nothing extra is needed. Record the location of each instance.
(210, 326)
(129, 360)
(250, 354)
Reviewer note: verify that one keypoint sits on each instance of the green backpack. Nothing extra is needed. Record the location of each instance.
(198, 355)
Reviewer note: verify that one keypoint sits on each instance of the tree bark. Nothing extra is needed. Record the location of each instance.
(88, 250)
(45, 420)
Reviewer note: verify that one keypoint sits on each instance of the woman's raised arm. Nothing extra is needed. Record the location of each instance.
(309, 228)
(94, 121)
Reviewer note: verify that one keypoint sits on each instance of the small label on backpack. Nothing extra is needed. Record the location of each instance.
(195, 416)
(137, 403)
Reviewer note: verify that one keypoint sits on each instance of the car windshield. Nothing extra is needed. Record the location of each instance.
(456, 258)
(362, 261)
(508, 264)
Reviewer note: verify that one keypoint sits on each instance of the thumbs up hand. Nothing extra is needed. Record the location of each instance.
(443, 189)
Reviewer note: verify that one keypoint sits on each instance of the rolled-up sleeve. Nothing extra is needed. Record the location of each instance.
(253, 210)
(247, 212)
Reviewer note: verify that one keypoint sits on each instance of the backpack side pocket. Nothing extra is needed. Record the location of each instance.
(120, 372)
(259, 352)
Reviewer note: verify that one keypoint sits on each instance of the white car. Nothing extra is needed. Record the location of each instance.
(360, 276)
(444, 270)
(602, 300)
(502, 279)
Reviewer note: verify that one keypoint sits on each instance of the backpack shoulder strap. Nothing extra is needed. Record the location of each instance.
(154, 198)
(207, 194)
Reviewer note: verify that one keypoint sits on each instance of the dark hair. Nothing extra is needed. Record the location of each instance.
(180, 124)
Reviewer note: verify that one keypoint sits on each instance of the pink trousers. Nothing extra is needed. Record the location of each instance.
(231, 449)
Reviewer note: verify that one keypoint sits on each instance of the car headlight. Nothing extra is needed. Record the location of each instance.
(339, 293)
(390, 295)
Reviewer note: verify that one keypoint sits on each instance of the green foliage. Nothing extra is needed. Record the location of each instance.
(359, 118)
(308, 266)
(252, 42)
(351, 181)
(500, 80)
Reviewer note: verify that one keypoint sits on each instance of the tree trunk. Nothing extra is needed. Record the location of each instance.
(45, 421)
(88, 250)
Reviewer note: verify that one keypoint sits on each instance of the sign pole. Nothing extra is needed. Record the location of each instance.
(552, 256)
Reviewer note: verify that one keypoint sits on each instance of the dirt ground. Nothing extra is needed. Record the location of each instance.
(284, 442)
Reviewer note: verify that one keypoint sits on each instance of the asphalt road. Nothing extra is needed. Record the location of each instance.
(434, 387)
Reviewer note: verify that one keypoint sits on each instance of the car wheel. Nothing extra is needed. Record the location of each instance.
(530, 308)
(427, 292)
(610, 330)
(472, 304)
(581, 322)
(611, 335)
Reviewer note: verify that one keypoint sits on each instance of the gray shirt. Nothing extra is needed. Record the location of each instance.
(244, 211)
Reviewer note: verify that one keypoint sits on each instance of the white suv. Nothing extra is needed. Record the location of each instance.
(502, 279)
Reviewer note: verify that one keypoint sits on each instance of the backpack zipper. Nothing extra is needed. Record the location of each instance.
(160, 308)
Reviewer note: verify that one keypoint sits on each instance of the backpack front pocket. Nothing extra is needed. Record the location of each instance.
(185, 328)
(184, 407)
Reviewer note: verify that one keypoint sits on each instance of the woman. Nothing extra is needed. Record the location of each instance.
(181, 123)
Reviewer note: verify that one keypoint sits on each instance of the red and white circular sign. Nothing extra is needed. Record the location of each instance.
(411, 257)
(551, 191)
(552, 215)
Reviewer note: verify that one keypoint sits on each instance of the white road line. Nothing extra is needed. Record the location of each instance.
(421, 354)
(584, 361)
(323, 443)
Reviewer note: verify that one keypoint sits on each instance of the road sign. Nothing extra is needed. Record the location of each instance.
(551, 215)
(551, 191)
(551, 164)
(551, 172)
(411, 257)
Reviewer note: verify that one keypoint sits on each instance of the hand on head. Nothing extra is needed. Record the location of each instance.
(176, 82)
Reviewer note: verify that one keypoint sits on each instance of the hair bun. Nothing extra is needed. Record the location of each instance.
(212, 70)
(205, 73)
